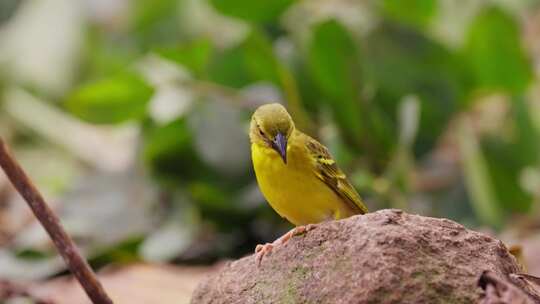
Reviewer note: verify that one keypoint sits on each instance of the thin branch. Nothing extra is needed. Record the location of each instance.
(65, 245)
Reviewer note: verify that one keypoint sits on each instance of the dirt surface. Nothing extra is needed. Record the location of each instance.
(133, 284)
(383, 257)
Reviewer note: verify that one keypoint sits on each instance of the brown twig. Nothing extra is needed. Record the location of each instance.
(65, 245)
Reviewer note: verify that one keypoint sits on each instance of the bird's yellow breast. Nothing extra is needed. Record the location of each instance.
(293, 189)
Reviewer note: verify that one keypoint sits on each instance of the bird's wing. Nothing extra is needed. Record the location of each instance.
(327, 170)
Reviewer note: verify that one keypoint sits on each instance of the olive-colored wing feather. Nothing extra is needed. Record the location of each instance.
(329, 173)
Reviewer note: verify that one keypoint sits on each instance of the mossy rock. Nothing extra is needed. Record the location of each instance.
(383, 257)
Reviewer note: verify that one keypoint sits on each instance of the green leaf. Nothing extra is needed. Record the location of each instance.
(166, 140)
(527, 144)
(404, 62)
(31, 254)
(335, 65)
(333, 56)
(125, 251)
(145, 13)
(507, 158)
(410, 12)
(195, 55)
(250, 61)
(478, 179)
(494, 52)
(169, 150)
(210, 195)
(255, 11)
(104, 56)
(7, 9)
(504, 165)
(154, 21)
(260, 59)
(229, 68)
(112, 100)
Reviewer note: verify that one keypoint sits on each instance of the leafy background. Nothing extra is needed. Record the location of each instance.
(132, 117)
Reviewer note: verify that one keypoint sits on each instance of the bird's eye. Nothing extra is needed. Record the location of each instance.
(261, 132)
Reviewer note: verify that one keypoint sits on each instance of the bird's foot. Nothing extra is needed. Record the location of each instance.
(262, 250)
(302, 229)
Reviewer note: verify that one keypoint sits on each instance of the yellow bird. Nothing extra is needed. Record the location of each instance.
(297, 175)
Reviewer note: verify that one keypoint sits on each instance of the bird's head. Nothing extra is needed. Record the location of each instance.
(271, 126)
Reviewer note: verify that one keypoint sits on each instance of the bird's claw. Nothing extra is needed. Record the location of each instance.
(303, 229)
(262, 250)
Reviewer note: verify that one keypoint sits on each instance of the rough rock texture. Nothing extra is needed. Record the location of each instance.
(383, 257)
(500, 291)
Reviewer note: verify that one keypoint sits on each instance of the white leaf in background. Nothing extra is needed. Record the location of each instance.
(250, 197)
(171, 100)
(174, 236)
(529, 180)
(169, 103)
(160, 72)
(409, 118)
(221, 138)
(109, 149)
(12, 267)
(260, 93)
(106, 209)
(40, 45)
(112, 13)
(358, 16)
(166, 243)
(454, 17)
(200, 19)
(99, 211)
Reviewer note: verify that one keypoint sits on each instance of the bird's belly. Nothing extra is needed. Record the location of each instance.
(293, 189)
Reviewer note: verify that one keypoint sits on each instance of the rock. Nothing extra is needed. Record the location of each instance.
(501, 291)
(383, 257)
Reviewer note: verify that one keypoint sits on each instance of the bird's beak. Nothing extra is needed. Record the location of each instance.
(280, 145)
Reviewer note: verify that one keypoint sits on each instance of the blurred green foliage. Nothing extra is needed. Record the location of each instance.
(254, 11)
(495, 53)
(112, 100)
(344, 83)
(194, 55)
(415, 12)
(335, 67)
